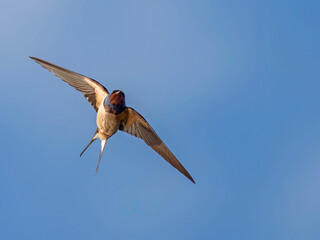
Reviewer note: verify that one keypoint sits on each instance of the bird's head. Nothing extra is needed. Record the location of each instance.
(115, 102)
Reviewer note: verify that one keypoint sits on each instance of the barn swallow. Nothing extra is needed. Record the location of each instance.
(113, 114)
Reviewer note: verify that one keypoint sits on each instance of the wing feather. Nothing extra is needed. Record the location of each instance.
(93, 91)
(137, 126)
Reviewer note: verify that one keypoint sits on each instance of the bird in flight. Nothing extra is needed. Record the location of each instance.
(113, 114)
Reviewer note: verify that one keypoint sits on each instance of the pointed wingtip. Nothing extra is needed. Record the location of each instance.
(191, 179)
(36, 59)
(185, 173)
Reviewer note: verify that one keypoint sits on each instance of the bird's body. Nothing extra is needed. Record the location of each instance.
(108, 123)
(113, 115)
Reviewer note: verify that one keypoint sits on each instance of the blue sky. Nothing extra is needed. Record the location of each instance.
(232, 87)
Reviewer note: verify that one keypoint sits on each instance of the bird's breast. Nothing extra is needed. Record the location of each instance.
(107, 123)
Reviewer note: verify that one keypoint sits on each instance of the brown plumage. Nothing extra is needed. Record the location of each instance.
(113, 115)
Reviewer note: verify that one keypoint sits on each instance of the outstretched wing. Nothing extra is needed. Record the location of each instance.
(134, 124)
(91, 89)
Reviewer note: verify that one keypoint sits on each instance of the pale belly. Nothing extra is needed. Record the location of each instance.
(108, 123)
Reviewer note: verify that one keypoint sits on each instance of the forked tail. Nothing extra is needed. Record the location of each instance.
(95, 136)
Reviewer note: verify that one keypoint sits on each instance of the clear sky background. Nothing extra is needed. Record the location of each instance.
(232, 87)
